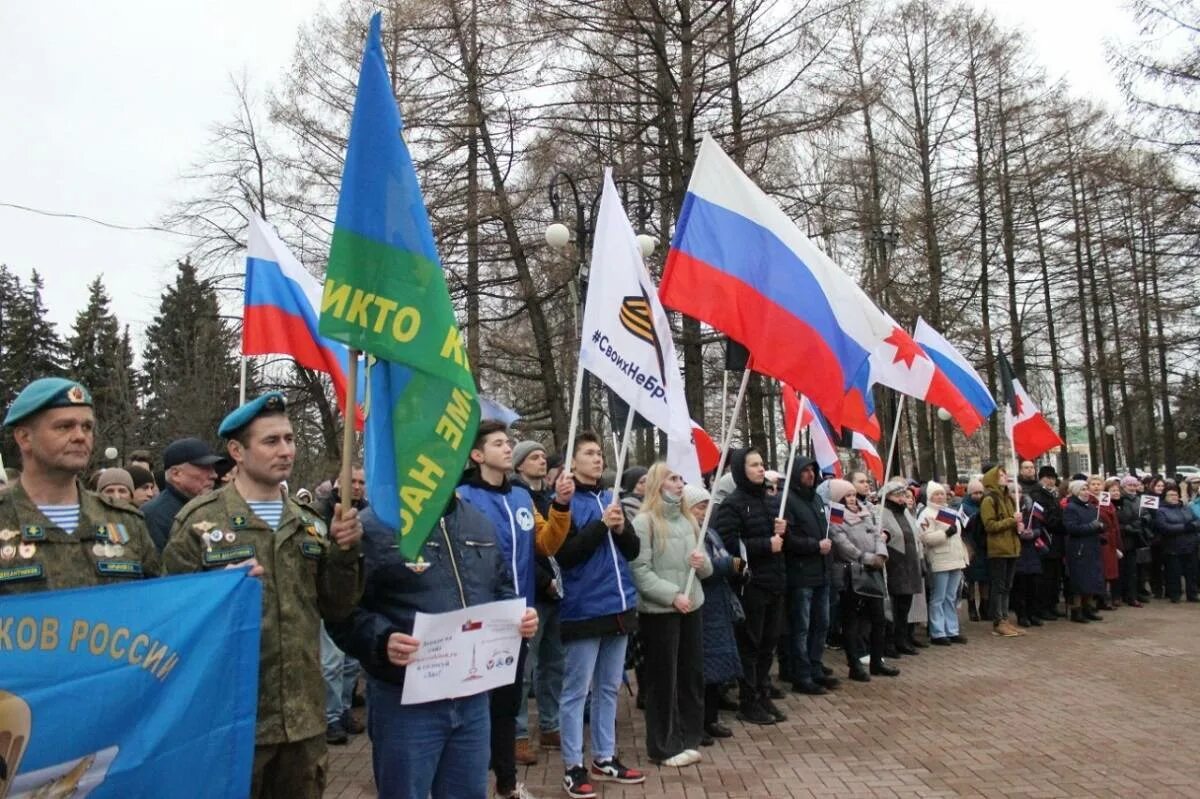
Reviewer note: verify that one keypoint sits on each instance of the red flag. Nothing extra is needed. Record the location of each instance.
(706, 449)
(1030, 433)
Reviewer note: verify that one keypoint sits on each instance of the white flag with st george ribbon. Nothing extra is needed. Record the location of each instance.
(626, 341)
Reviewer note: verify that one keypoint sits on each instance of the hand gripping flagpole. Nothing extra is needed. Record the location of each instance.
(728, 439)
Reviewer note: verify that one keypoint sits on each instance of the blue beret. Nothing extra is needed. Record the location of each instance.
(271, 402)
(45, 393)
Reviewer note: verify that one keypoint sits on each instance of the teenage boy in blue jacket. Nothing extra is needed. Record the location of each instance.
(598, 611)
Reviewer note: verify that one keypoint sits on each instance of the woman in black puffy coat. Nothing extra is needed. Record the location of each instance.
(720, 611)
(1178, 528)
(747, 518)
(1083, 526)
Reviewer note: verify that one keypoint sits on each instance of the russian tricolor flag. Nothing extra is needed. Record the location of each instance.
(976, 401)
(738, 263)
(282, 305)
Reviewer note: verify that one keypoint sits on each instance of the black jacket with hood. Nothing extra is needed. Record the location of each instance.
(747, 517)
(806, 526)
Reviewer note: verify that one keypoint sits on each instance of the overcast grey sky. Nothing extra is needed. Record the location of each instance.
(108, 103)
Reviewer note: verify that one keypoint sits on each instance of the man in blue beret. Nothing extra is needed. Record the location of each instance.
(312, 572)
(53, 533)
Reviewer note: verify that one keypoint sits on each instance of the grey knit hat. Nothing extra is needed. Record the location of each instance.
(524, 449)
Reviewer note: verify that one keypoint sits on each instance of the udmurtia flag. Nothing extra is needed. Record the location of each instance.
(1030, 433)
(385, 294)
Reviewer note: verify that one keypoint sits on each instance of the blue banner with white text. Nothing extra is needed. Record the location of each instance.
(145, 689)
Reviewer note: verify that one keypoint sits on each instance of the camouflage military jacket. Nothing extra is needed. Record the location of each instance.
(110, 545)
(306, 578)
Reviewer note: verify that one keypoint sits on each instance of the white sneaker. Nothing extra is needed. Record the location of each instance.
(680, 760)
(695, 755)
(517, 793)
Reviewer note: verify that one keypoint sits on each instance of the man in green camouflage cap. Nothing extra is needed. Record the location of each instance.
(53, 533)
(309, 573)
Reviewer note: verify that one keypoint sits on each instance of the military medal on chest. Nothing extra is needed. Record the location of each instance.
(110, 541)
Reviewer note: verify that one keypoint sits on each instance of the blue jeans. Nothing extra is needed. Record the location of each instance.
(943, 604)
(598, 663)
(340, 672)
(436, 749)
(809, 620)
(543, 671)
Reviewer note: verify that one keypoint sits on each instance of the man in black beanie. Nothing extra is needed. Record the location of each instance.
(1050, 583)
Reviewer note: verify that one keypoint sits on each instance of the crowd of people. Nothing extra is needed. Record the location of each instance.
(710, 621)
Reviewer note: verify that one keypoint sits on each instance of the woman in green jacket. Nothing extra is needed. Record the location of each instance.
(1002, 523)
(671, 630)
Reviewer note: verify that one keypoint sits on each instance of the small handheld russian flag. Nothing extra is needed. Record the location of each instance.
(947, 516)
(1037, 513)
(837, 513)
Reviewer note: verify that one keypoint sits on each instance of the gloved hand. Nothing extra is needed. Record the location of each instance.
(1097, 525)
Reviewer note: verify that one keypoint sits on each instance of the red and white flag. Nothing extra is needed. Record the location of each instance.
(863, 446)
(824, 446)
(707, 451)
(1027, 428)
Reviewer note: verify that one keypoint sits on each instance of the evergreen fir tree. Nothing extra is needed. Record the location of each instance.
(1187, 419)
(30, 346)
(191, 367)
(100, 357)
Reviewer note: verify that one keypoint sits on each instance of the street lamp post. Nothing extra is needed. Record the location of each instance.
(885, 243)
(558, 236)
(1113, 448)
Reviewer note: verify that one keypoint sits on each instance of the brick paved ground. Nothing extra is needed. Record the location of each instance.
(1102, 710)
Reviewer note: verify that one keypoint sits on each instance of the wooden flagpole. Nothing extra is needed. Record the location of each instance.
(349, 417)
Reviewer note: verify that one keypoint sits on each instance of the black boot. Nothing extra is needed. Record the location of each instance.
(752, 712)
(972, 609)
(769, 706)
(881, 668)
(858, 673)
(1077, 616)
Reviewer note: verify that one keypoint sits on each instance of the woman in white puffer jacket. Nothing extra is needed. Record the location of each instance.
(946, 555)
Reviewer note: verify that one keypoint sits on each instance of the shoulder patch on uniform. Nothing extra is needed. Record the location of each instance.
(32, 571)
